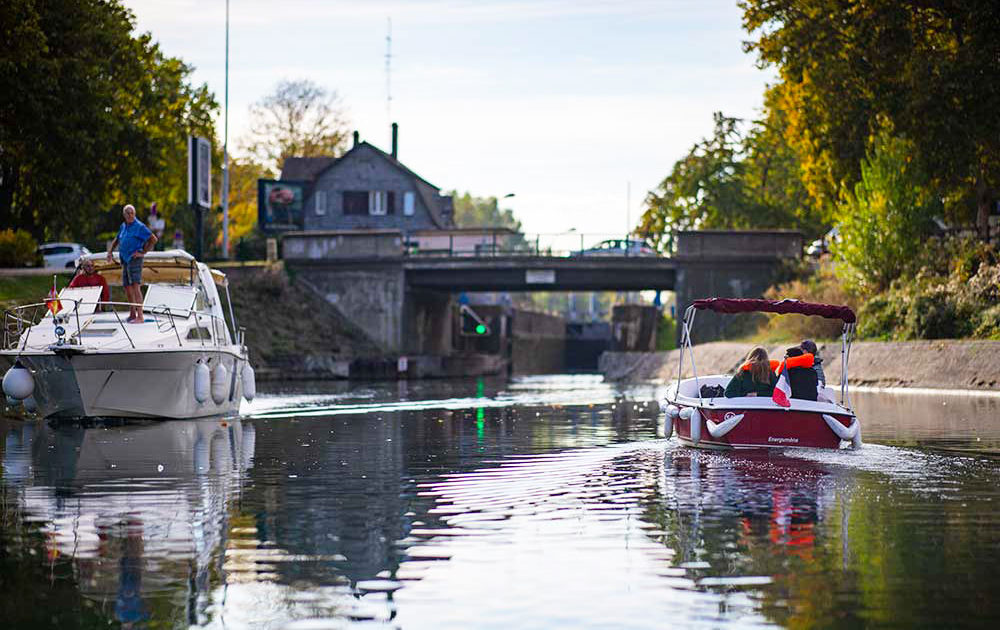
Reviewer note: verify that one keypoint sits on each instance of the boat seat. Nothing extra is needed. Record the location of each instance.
(689, 389)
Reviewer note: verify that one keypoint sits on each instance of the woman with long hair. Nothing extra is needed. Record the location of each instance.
(754, 378)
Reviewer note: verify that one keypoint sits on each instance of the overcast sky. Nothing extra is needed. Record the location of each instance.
(561, 102)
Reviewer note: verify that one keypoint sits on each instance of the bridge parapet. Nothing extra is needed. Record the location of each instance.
(739, 244)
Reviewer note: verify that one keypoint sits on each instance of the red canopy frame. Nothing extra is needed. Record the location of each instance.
(784, 307)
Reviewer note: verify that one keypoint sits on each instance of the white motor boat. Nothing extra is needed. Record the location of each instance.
(185, 360)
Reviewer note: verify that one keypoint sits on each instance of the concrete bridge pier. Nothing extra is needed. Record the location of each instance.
(371, 296)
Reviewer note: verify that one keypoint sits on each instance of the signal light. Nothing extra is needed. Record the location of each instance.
(472, 324)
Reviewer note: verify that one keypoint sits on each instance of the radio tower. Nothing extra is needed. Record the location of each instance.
(388, 71)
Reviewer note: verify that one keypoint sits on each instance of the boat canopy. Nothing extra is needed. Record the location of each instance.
(173, 266)
(784, 307)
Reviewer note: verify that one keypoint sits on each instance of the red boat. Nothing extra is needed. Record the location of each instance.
(717, 422)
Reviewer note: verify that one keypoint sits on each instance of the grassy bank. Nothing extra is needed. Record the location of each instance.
(286, 322)
(18, 290)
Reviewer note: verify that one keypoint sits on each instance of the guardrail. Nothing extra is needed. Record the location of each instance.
(504, 243)
(17, 325)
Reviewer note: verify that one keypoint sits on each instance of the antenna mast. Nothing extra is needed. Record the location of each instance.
(388, 70)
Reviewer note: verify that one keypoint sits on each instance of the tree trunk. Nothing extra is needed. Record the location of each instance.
(8, 183)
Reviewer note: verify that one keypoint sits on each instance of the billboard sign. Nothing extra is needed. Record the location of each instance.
(280, 204)
(199, 172)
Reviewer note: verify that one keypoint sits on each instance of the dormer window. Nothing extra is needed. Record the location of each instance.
(376, 203)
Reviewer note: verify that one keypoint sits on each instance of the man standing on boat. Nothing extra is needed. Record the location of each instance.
(134, 240)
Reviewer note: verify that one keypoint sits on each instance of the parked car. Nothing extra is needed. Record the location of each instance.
(822, 245)
(62, 255)
(618, 247)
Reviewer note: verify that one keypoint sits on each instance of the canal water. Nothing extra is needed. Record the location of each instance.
(545, 502)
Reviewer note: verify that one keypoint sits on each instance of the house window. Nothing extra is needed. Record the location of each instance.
(320, 202)
(355, 202)
(381, 202)
(408, 205)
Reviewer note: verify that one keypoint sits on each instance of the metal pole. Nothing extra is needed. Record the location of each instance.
(225, 152)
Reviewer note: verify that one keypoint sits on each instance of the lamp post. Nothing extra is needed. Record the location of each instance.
(225, 152)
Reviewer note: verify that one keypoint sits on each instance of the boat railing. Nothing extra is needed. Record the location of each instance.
(19, 321)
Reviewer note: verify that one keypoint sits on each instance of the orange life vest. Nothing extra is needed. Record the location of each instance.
(805, 360)
(801, 361)
(774, 365)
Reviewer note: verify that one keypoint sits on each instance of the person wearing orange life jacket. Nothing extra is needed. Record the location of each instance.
(801, 376)
(809, 347)
(754, 378)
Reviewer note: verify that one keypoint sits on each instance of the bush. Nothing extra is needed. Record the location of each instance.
(988, 323)
(17, 248)
(822, 287)
(666, 333)
(885, 220)
(933, 314)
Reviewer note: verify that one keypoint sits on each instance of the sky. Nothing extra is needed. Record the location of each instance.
(576, 107)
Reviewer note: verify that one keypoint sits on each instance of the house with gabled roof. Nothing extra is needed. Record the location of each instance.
(367, 189)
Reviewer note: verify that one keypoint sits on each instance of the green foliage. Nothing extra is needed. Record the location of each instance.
(478, 212)
(666, 333)
(17, 248)
(887, 218)
(936, 306)
(930, 69)
(732, 180)
(91, 118)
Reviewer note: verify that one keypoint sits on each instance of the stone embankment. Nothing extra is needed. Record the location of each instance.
(939, 364)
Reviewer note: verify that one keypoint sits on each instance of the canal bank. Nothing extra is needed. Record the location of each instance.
(936, 364)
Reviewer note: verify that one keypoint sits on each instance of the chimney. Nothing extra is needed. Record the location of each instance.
(357, 138)
(395, 141)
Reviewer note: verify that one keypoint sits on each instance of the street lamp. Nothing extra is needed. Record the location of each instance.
(225, 153)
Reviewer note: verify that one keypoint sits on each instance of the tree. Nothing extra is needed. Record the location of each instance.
(298, 119)
(931, 69)
(734, 179)
(243, 176)
(90, 117)
(472, 211)
(887, 217)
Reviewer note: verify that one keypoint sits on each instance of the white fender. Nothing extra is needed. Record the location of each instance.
(724, 427)
(673, 412)
(18, 382)
(249, 381)
(856, 442)
(220, 383)
(852, 432)
(202, 380)
(695, 425)
(685, 413)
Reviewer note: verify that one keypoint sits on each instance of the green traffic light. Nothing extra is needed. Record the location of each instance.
(480, 329)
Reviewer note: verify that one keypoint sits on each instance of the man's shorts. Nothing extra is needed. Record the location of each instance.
(132, 272)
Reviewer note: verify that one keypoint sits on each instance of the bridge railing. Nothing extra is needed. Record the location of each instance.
(504, 243)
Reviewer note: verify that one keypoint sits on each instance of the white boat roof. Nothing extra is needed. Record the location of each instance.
(172, 266)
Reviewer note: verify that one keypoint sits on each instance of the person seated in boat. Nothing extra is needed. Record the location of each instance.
(754, 378)
(802, 378)
(809, 347)
(88, 277)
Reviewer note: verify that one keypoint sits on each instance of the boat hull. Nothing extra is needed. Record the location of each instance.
(152, 384)
(762, 428)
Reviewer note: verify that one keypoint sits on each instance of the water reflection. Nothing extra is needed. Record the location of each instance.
(131, 516)
(543, 503)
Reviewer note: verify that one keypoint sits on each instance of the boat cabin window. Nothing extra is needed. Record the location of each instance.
(178, 300)
(199, 332)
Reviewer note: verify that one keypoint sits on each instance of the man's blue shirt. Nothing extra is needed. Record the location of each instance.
(131, 237)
